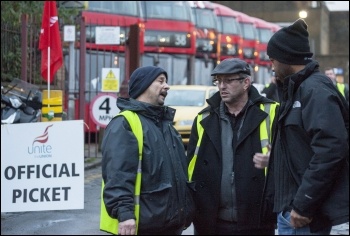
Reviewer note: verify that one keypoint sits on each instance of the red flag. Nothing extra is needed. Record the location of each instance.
(50, 42)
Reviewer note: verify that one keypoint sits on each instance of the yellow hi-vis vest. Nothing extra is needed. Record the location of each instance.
(341, 88)
(265, 133)
(108, 223)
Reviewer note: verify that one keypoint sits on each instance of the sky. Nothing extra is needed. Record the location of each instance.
(338, 5)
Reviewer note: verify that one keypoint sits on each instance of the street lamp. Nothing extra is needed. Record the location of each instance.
(303, 14)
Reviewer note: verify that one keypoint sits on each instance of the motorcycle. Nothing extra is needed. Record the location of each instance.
(21, 102)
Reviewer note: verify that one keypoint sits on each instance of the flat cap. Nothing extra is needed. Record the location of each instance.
(231, 66)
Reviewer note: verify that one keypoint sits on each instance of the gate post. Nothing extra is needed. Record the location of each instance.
(24, 43)
(82, 69)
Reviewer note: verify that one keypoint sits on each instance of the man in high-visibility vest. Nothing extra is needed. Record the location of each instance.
(159, 205)
(342, 87)
(225, 136)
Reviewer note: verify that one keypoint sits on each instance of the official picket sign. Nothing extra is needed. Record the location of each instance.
(42, 166)
(103, 108)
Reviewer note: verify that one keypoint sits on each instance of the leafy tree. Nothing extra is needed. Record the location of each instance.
(11, 13)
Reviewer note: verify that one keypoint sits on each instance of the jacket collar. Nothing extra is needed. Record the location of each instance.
(155, 113)
(292, 82)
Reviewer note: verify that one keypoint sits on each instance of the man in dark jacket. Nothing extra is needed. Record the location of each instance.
(309, 163)
(164, 190)
(228, 179)
(342, 87)
(270, 89)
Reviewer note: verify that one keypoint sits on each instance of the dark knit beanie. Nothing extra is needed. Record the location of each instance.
(142, 78)
(290, 45)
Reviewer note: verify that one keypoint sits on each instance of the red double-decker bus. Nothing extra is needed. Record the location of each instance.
(249, 37)
(165, 38)
(100, 50)
(207, 41)
(169, 39)
(275, 27)
(230, 33)
(262, 63)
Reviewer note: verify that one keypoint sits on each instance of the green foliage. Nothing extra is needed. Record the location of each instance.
(11, 65)
(11, 11)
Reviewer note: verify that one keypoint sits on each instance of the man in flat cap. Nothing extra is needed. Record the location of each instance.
(227, 175)
(309, 159)
(163, 196)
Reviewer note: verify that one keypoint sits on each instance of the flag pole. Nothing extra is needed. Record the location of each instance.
(48, 61)
(50, 44)
(48, 76)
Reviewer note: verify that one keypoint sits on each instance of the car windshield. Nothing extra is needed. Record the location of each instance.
(185, 98)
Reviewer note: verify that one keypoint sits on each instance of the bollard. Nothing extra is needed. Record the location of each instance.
(52, 107)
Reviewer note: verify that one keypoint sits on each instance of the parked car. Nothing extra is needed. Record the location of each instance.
(188, 100)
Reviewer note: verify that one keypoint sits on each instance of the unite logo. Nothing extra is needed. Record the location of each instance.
(41, 150)
(53, 20)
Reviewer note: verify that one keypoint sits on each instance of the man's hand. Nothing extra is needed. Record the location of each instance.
(262, 160)
(127, 227)
(298, 221)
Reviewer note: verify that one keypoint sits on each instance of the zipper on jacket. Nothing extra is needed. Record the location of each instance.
(232, 177)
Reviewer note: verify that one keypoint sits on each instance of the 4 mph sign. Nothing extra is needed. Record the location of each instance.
(103, 108)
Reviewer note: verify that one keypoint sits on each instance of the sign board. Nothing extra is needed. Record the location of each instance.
(69, 33)
(103, 108)
(42, 166)
(110, 80)
(107, 35)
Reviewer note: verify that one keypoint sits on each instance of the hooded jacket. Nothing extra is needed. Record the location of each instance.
(164, 169)
(249, 181)
(309, 160)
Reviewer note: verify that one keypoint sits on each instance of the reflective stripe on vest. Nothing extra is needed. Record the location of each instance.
(341, 88)
(200, 135)
(266, 125)
(108, 223)
(265, 133)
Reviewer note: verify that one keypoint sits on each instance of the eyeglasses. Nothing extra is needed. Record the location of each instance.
(226, 80)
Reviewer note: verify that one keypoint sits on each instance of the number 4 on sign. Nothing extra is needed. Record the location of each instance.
(103, 108)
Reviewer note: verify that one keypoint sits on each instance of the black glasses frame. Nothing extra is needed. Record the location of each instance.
(226, 80)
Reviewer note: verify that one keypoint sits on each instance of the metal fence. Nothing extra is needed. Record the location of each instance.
(21, 58)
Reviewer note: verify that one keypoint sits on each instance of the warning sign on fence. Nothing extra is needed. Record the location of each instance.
(110, 80)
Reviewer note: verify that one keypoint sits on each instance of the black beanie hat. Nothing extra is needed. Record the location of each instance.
(142, 78)
(290, 45)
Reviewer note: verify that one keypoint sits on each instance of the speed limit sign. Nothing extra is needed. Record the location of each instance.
(103, 108)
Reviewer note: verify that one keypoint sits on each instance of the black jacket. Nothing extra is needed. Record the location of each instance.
(310, 154)
(208, 169)
(164, 168)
